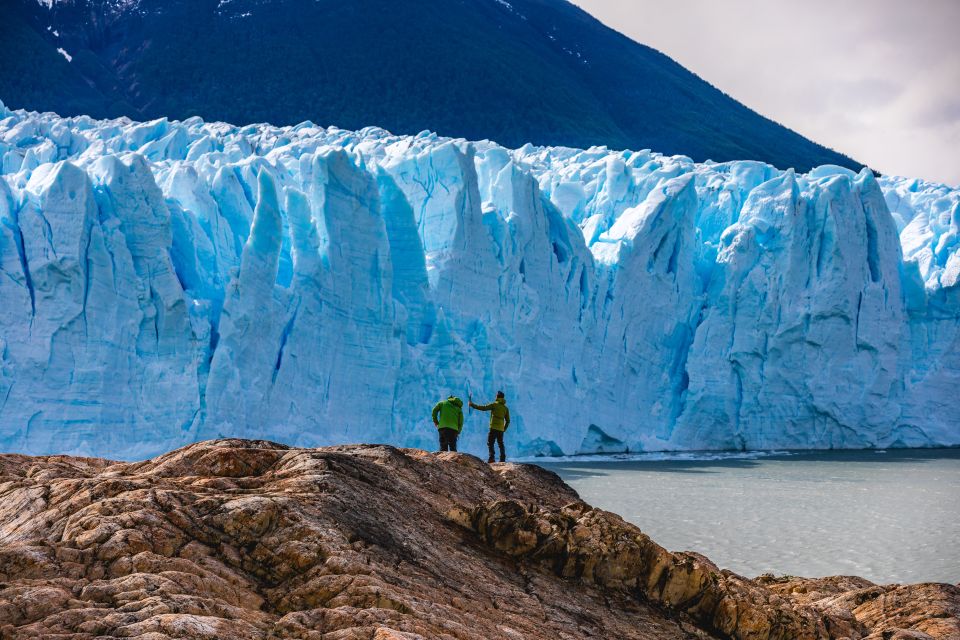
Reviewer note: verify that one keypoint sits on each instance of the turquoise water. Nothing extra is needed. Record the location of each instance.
(889, 516)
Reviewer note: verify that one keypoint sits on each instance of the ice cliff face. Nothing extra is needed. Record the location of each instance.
(165, 282)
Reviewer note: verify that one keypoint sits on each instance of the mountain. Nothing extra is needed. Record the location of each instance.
(166, 282)
(249, 540)
(538, 71)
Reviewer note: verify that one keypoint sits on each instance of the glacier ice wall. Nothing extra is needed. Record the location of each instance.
(165, 282)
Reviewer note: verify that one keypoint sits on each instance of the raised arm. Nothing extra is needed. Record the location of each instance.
(482, 407)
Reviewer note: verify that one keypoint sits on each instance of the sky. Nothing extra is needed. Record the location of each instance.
(878, 80)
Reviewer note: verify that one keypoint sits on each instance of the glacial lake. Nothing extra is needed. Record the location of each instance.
(891, 516)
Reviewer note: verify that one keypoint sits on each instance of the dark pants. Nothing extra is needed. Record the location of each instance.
(496, 436)
(448, 439)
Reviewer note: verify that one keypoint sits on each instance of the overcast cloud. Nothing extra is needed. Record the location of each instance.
(878, 80)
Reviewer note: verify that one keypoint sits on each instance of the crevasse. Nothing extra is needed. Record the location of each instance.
(166, 282)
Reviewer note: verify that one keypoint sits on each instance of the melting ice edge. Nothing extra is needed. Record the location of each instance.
(165, 282)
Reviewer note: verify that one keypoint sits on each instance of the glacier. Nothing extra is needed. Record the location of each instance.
(165, 282)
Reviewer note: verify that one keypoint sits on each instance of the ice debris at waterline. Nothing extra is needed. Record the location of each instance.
(166, 282)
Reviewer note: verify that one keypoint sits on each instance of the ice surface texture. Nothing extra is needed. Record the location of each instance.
(165, 282)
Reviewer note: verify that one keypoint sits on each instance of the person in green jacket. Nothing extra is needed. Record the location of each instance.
(499, 421)
(448, 419)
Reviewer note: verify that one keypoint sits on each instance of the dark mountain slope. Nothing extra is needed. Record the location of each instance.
(34, 74)
(540, 71)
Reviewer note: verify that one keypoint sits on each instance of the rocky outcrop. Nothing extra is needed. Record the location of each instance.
(251, 539)
(888, 612)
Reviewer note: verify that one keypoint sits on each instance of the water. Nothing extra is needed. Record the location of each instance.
(886, 516)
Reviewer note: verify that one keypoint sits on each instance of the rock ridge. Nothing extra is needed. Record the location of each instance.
(253, 539)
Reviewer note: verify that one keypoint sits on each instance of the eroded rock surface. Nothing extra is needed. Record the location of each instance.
(888, 612)
(251, 539)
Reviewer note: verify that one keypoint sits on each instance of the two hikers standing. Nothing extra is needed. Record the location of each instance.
(448, 418)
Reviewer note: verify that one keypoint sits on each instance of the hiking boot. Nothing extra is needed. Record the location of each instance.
(490, 461)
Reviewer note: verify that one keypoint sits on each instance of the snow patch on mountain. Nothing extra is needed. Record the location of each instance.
(111, 5)
(166, 281)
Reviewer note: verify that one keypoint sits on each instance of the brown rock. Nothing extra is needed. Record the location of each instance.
(250, 539)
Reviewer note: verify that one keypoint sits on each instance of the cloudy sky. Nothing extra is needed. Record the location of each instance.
(878, 80)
